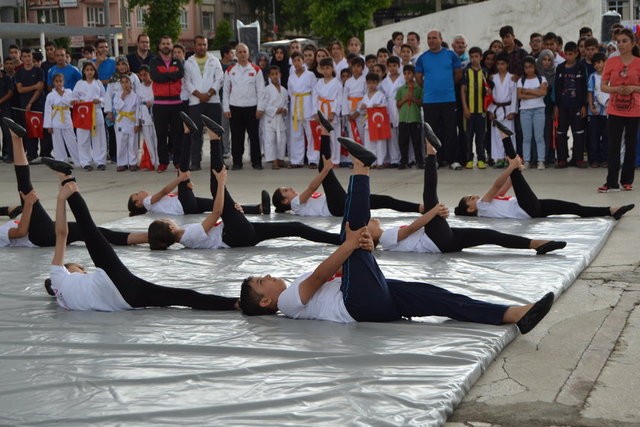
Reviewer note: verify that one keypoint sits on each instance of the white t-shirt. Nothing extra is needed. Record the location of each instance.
(316, 205)
(326, 304)
(93, 291)
(6, 242)
(534, 83)
(195, 237)
(501, 207)
(418, 241)
(168, 205)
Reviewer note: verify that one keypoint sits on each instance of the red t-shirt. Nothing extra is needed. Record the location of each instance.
(619, 74)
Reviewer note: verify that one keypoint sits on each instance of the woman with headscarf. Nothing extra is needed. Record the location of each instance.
(281, 60)
(547, 68)
(262, 60)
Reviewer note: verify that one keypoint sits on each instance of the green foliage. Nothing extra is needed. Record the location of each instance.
(224, 34)
(162, 17)
(64, 42)
(339, 19)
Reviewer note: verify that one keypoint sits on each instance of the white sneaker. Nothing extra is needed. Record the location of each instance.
(527, 165)
(541, 166)
(455, 166)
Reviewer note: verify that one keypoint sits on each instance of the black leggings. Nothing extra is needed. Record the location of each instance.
(42, 230)
(540, 208)
(240, 232)
(336, 196)
(136, 291)
(455, 239)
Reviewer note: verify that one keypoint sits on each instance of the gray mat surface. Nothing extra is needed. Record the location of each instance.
(178, 366)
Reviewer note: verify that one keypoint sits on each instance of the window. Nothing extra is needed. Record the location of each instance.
(95, 17)
(51, 16)
(126, 18)
(184, 22)
(618, 6)
(140, 12)
(207, 21)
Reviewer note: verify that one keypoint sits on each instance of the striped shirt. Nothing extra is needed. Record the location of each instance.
(475, 91)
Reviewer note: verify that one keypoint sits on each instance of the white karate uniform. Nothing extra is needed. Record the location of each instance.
(125, 122)
(327, 97)
(146, 121)
(503, 91)
(340, 66)
(275, 125)
(300, 112)
(378, 147)
(92, 144)
(352, 94)
(390, 88)
(114, 89)
(57, 116)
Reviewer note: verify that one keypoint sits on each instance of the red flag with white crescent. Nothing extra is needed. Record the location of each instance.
(378, 123)
(316, 132)
(82, 115)
(34, 121)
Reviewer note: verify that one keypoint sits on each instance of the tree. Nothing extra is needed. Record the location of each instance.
(353, 16)
(224, 33)
(161, 17)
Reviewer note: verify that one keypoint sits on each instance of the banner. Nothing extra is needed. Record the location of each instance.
(82, 115)
(33, 120)
(378, 123)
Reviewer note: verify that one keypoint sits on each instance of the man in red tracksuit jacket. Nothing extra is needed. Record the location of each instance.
(166, 73)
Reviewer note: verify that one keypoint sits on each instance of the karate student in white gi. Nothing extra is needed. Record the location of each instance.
(57, 120)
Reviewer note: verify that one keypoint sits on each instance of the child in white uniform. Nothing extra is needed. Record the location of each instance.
(503, 108)
(275, 103)
(92, 144)
(389, 86)
(354, 90)
(373, 98)
(57, 120)
(300, 86)
(126, 105)
(145, 92)
(327, 96)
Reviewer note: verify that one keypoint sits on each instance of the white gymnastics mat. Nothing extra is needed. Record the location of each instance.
(184, 367)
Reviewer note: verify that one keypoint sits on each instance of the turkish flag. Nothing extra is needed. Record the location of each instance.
(378, 123)
(145, 159)
(316, 132)
(82, 115)
(34, 121)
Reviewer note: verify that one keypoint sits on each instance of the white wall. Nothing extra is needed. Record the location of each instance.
(480, 22)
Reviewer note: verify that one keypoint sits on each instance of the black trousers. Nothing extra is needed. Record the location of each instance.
(336, 196)
(450, 239)
(42, 230)
(540, 208)
(243, 119)
(169, 129)
(240, 232)
(410, 134)
(616, 125)
(136, 291)
(213, 111)
(570, 116)
(442, 118)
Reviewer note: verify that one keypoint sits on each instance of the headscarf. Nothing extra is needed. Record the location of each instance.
(550, 72)
(283, 65)
(265, 71)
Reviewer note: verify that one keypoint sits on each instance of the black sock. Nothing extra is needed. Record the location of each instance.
(622, 210)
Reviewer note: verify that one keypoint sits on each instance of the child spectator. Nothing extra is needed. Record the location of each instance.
(571, 107)
(409, 103)
(406, 53)
(353, 92)
(547, 68)
(145, 92)
(370, 61)
(373, 98)
(472, 93)
(389, 86)
(92, 143)
(532, 88)
(300, 87)
(503, 108)
(591, 47)
(327, 98)
(382, 55)
(57, 121)
(597, 118)
(126, 105)
(345, 75)
(275, 101)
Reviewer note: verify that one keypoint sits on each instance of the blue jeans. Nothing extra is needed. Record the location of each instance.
(533, 120)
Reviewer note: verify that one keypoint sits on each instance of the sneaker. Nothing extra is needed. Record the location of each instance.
(482, 164)
(455, 166)
(581, 164)
(627, 187)
(541, 166)
(499, 164)
(526, 165)
(133, 168)
(162, 167)
(101, 167)
(88, 168)
(562, 164)
(121, 168)
(606, 189)
(36, 161)
(469, 165)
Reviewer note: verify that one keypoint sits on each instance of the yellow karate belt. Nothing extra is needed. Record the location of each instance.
(61, 109)
(298, 108)
(131, 115)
